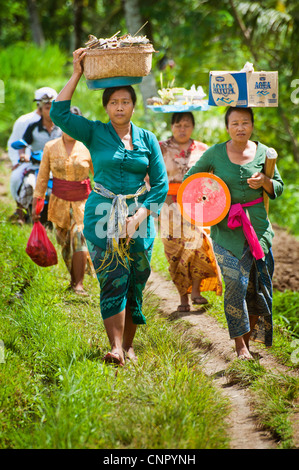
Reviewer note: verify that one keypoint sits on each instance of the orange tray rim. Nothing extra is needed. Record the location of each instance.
(203, 175)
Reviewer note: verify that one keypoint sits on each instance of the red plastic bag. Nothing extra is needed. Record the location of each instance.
(40, 249)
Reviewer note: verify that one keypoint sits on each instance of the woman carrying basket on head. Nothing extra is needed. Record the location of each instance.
(188, 249)
(118, 224)
(243, 246)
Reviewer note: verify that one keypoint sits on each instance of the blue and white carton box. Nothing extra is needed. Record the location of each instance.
(262, 89)
(243, 89)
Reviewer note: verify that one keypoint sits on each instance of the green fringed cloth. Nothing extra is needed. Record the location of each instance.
(117, 217)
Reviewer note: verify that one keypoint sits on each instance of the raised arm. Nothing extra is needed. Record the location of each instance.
(69, 89)
(77, 127)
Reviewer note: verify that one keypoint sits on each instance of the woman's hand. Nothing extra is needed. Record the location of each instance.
(34, 216)
(78, 57)
(132, 225)
(133, 222)
(260, 180)
(256, 181)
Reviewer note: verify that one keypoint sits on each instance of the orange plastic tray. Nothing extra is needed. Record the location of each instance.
(204, 199)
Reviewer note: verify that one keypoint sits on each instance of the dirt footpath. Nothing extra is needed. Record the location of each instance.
(243, 427)
(286, 257)
(243, 430)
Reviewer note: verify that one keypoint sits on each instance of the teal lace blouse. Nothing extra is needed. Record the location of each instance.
(119, 170)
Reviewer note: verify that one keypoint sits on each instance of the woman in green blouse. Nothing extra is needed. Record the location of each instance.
(118, 224)
(239, 162)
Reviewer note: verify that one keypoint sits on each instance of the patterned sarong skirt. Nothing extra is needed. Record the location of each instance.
(121, 281)
(248, 291)
(72, 241)
(189, 252)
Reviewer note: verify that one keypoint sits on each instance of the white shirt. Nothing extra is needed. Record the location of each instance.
(18, 130)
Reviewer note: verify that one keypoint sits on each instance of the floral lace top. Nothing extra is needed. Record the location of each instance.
(177, 161)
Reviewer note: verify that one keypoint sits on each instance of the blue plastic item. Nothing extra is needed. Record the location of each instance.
(37, 155)
(112, 82)
(172, 108)
(19, 144)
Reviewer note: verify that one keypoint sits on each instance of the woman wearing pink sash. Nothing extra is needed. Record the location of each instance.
(70, 163)
(242, 240)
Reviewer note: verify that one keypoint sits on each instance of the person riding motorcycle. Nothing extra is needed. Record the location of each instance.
(18, 167)
(36, 135)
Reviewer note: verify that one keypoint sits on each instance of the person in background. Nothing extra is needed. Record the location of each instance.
(18, 168)
(42, 131)
(243, 244)
(70, 164)
(37, 135)
(118, 222)
(188, 249)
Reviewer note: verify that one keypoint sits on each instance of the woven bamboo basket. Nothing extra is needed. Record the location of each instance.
(134, 61)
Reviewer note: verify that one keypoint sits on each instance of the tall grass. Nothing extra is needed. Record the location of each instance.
(286, 308)
(25, 68)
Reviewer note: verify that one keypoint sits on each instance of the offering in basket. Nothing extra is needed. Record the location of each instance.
(125, 56)
(171, 100)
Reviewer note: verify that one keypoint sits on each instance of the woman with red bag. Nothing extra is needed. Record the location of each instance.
(70, 163)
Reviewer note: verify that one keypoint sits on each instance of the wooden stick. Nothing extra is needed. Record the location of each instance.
(138, 32)
(114, 34)
(140, 28)
(271, 157)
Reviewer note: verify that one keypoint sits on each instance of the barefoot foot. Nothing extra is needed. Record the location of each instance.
(130, 355)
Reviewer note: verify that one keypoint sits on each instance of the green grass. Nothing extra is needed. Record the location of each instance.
(66, 397)
(286, 308)
(59, 394)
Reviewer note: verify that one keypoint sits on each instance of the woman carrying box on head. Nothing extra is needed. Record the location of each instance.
(119, 237)
(244, 253)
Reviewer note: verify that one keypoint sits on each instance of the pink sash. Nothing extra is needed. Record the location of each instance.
(237, 218)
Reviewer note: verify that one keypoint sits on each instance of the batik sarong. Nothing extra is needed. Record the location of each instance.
(122, 281)
(189, 252)
(71, 241)
(248, 291)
